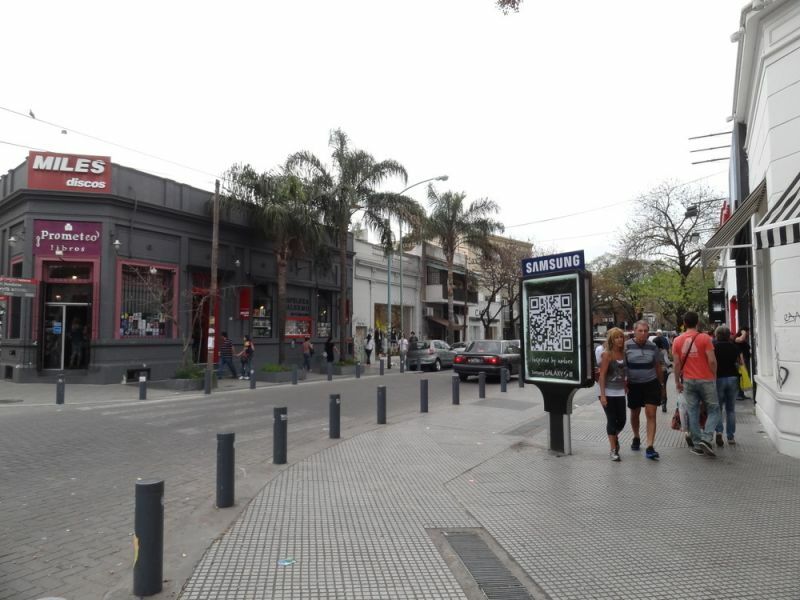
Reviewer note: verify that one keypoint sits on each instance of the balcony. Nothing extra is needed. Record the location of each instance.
(438, 293)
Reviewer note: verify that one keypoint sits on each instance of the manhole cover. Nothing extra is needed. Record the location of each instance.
(10, 400)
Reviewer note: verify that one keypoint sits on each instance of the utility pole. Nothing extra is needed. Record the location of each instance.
(212, 301)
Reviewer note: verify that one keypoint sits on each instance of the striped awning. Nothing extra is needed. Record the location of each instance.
(740, 217)
(781, 225)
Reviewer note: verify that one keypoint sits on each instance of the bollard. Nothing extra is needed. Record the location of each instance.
(142, 387)
(148, 537)
(381, 366)
(503, 379)
(279, 427)
(358, 370)
(520, 379)
(207, 382)
(423, 395)
(60, 384)
(381, 405)
(226, 469)
(482, 384)
(456, 390)
(252, 379)
(402, 365)
(335, 412)
(294, 375)
(330, 371)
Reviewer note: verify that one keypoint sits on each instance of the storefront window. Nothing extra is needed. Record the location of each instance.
(324, 314)
(262, 312)
(15, 307)
(72, 271)
(147, 302)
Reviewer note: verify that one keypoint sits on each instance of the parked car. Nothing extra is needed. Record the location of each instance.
(488, 356)
(431, 354)
(458, 346)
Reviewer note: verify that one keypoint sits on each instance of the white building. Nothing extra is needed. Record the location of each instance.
(760, 242)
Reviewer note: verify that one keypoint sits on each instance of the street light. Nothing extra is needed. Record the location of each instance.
(389, 276)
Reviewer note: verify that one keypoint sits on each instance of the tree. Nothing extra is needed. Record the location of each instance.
(452, 224)
(614, 288)
(351, 188)
(277, 204)
(508, 6)
(662, 292)
(670, 225)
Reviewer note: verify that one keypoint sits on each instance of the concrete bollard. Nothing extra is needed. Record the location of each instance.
(207, 382)
(330, 371)
(381, 361)
(294, 375)
(358, 370)
(279, 428)
(335, 413)
(456, 390)
(503, 379)
(423, 395)
(148, 562)
(381, 405)
(482, 384)
(143, 387)
(226, 469)
(252, 379)
(60, 389)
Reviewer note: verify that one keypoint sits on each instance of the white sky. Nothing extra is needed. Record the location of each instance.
(564, 107)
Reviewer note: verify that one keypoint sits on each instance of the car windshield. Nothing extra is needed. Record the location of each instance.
(484, 347)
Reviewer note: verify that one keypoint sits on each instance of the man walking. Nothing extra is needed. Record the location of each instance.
(663, 346)
(226, 355)
(643, 361)
(695, 377)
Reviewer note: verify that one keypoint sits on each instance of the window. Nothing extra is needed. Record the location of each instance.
(147, 301)
(324, 314)
(15, 307)
(262, 312)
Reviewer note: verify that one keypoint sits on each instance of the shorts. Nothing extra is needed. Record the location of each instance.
(640, 394)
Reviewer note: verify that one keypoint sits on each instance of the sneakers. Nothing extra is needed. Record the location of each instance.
(636, 444)
(614, 455)
(719, 440)
(651, 453)
(689, 441)
(706, 448)
(697, 451)
(731, 442)
(241, 377)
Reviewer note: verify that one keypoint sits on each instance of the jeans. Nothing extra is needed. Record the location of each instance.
(727, 388)
(306, 361)
(696, 391)
(226, 360)
(247, 363)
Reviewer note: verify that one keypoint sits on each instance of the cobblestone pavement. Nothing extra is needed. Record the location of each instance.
(355, 517)
(67, 474)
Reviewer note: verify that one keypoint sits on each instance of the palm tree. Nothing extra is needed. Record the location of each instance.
(277, 204)
(452, 224)
(350, 188)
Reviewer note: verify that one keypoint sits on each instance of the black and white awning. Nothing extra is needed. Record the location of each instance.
(739, 219)
(781, 225)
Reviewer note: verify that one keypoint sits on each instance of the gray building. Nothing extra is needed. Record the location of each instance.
(120, 264)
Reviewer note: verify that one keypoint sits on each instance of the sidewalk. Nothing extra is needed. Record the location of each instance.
(364, 518)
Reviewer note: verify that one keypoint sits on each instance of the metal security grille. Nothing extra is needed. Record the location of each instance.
(496, 581)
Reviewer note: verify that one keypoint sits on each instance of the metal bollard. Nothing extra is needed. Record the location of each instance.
(252, 379)
(381, 366)
(381, 405)
(520, 379)
(503, 379)
(482, 384)
(60, 385)
(335, 412)
(330, 371)
(279, 427)
(226, 469)
(148, 537)
(142, 387)
(423, 395)
(207, 382)
(294, 375)
(358, 370)
(456, 390)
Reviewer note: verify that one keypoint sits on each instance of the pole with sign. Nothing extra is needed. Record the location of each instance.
(555, 292)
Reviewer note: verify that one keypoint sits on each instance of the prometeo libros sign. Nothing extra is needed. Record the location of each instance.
(556, 319)
(69, 172)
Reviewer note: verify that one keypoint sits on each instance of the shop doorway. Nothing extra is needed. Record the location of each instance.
(66, 334)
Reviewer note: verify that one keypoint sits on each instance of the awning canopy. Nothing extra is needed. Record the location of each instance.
(781, 225)
(738, 219)
(440, 321)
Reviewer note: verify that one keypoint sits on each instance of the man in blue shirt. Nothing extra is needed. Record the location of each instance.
(643, 361)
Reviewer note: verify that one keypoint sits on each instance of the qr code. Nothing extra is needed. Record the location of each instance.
(550, 323)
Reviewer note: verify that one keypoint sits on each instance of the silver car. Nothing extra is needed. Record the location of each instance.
(430, 354)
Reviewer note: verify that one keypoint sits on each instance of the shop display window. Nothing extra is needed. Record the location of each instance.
(147, 302)
(324, 314)
(262, 314)
(298, 327)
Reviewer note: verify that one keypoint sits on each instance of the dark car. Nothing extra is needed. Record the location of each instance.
(488, 356)
(430, 354)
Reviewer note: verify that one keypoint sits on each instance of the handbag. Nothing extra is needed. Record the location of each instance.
(745, 383)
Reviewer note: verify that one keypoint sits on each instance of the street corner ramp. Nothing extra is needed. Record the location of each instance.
(482, 567)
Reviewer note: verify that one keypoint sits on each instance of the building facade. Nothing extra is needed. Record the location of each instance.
(120, 262)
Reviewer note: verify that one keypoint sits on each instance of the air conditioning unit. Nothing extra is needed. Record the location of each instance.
(427, 311)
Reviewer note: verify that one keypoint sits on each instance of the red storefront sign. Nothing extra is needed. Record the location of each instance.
(69, 172)
(245, 302)
(73, 239)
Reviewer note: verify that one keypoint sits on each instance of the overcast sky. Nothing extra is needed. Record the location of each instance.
(562, 108)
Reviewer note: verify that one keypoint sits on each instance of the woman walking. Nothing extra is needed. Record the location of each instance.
(729, 357)
(369, 346)
(612, 387)
(246, 357)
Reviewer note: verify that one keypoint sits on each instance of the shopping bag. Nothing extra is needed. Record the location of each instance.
(744, 379)
(676, 420)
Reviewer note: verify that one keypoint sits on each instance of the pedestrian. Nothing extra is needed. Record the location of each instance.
(729, 357)
(412, 341)
(246, 357)
(742, 341)
(226, 351)
(612, 387)
(330, 349)
(76, 338)
(402, 344)
(695, 375)
(663, 347)
(308, 352)
(644, 372)
(369, 346)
